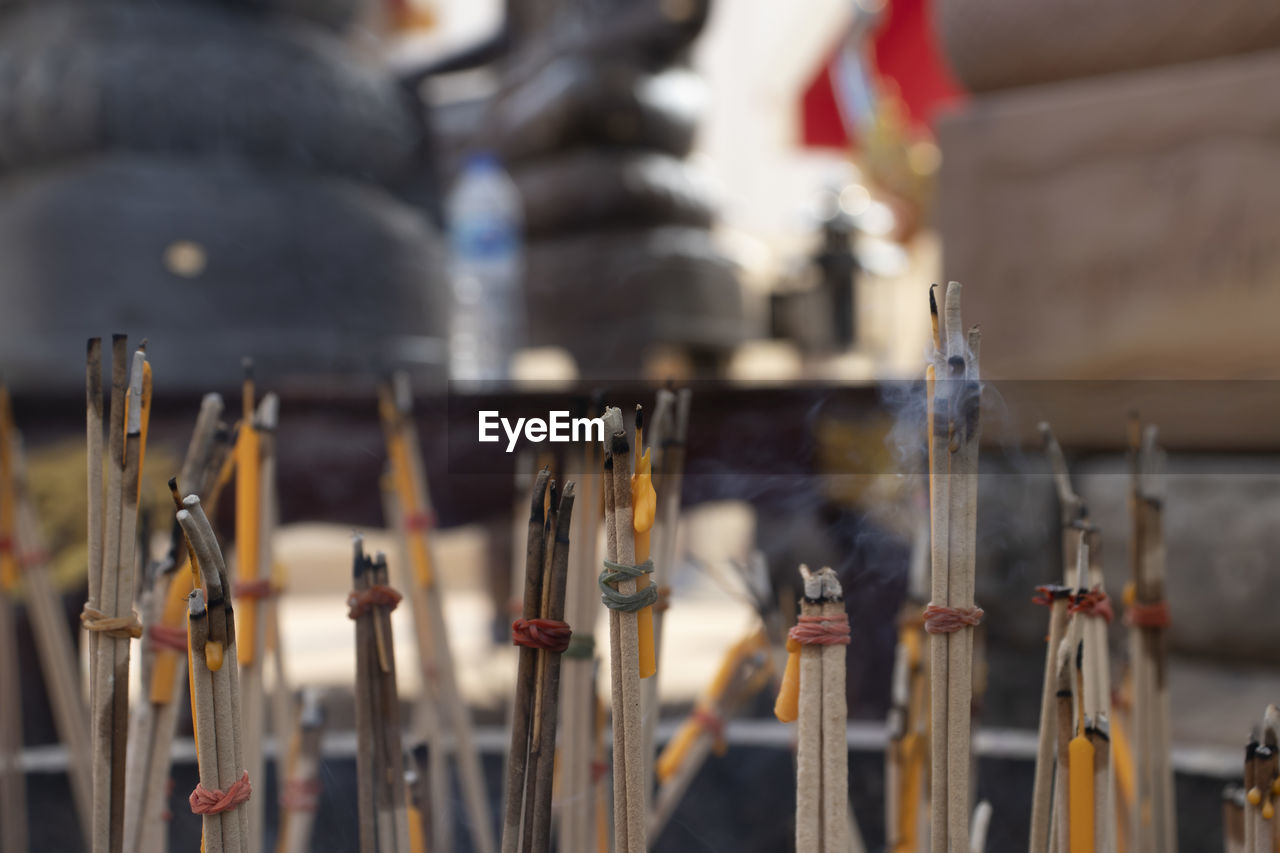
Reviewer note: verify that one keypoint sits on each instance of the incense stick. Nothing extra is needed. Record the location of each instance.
(417, 518)
(521, 722)
(302, 787)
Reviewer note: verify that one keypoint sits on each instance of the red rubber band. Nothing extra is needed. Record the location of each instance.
(1092, 603)
(821, 630)
(378, 595)
(1049, 593)
(6, 544)
(598, 770)
(1148, 615)
(416, 522)
(256, 588)
(550, 634)
(33, 558)
(939, 619)
(203, 801)
(711, 723)
(301, 795)
(168, 637)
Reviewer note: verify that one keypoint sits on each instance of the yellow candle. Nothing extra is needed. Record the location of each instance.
(173, 616)
(1080, 794)
(406, 493)
(644, 501)
(787, 707)
(145, 420)
(248, 520)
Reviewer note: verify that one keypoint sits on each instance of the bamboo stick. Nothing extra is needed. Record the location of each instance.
(366, 738)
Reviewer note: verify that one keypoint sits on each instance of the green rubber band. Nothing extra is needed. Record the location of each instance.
(581, 646)
(626, 602)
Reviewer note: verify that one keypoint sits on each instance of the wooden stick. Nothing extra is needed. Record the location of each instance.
(521, 722)
(1065, 683)
(543, 740)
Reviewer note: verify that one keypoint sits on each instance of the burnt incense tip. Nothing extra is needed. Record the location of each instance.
(191, 501)
(421, 753)
(93, 345)
(933, 299)
(118, 338)
(142, 347)
(619, 446)
(639, 416)
(196, 607)
(246, 368)
(608, 463)
(567, 492)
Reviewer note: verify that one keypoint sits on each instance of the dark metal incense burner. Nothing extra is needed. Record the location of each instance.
(225, 178)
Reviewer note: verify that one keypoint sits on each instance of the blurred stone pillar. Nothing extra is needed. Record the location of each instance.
(1109, 192)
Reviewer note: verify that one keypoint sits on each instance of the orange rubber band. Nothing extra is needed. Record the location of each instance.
(939, 619)
(379, 595)
(203, 801)
(821, 630)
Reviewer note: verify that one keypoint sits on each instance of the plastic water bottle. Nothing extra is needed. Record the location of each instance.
(487, 324)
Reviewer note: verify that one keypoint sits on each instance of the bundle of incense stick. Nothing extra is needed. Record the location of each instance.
(576, 782)
(907, 749)
(1154, 817)
(254, 588)
(22, 553)
(621, 593)
(542, 635)
(224, 784)
(822, 753)
(952, 614)
(416, 519)
(108, 614)
(745, 670)
(381, 794)
(668, 432)
(163, 661)
(1262, 786)
(1083, 813)
(300, 794)
(1057, 598)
